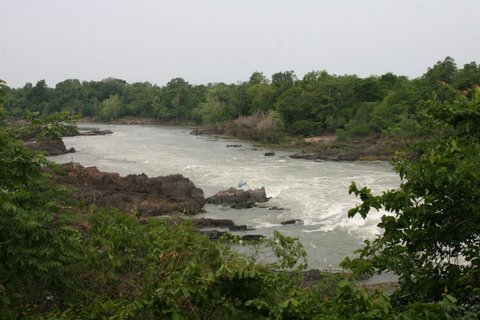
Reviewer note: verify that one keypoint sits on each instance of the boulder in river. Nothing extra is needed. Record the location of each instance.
(51, 147)
(269, 154)
(133, 193)
(292, 221)
(95, 132)
(238, 199)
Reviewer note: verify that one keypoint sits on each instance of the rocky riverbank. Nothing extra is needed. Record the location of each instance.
(157, 196)
(352, 150)
(321, 148)
(326, 148)
(49, 146)
(56, 147)
(134, 193)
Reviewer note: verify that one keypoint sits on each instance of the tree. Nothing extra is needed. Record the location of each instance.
(36, 241)
(283, 81)
(111, 109)
(220, 104)
(261, 97)
(468, 77)
(442, 72)
(431, 234)
(178, 99)
(257, 78)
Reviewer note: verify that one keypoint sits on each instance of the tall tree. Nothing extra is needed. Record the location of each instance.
(431, 236)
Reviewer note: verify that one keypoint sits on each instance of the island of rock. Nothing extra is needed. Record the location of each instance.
(135, 193)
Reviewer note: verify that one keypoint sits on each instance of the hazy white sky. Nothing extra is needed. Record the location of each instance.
(227, 40)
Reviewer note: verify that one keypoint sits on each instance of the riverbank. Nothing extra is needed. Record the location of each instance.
(173, 197)
(363, 149)
(323, 147)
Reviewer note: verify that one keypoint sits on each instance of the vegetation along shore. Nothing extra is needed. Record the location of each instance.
(78, 243)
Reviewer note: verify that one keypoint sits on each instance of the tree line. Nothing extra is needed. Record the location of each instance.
(319, 103)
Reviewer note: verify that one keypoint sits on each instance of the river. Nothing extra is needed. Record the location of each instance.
(314, 191)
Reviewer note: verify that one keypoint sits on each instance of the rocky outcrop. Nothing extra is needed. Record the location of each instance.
(292, 221)
(218, 223)
(51, 147)
(215, 235)
(358, 149)
(258, 195)
(136, 121)
(213, 223)
(238, 199)
(133, 193)
(95, 132)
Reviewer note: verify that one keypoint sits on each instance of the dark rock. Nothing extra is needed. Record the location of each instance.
(219, 223)
(215, 235)
(71, 150)
(51, 147)
(258, 195)
(355, 150)
(269, 154)
(241, 227)
(238, 199)
(133, 193)
(292, 221)
(96, 132)
(234, 145)
(213, 223)
(252, 237)
(276, 208)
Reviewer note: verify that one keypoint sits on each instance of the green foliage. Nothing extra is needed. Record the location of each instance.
(111, 109)
(304, 128)
(388, 105)
(431, 232)
(119, 267)
(36, 241)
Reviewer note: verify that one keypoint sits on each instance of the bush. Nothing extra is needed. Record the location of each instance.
(304, 128)
(432, 234)
(267, 128)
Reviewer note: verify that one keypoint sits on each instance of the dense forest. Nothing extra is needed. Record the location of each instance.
(111, 265)
(319, 103)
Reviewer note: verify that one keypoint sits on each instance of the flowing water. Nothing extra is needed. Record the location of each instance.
(314, 191)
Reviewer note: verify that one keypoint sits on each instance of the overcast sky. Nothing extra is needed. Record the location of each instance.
(206, 41)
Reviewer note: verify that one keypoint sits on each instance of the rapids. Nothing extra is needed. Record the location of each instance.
(315, 192)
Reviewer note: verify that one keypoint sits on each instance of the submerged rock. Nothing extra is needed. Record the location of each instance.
(238, 199)
(276, 208)
(95, 132)
(292, 221)
(269, 154)
(133, 193)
